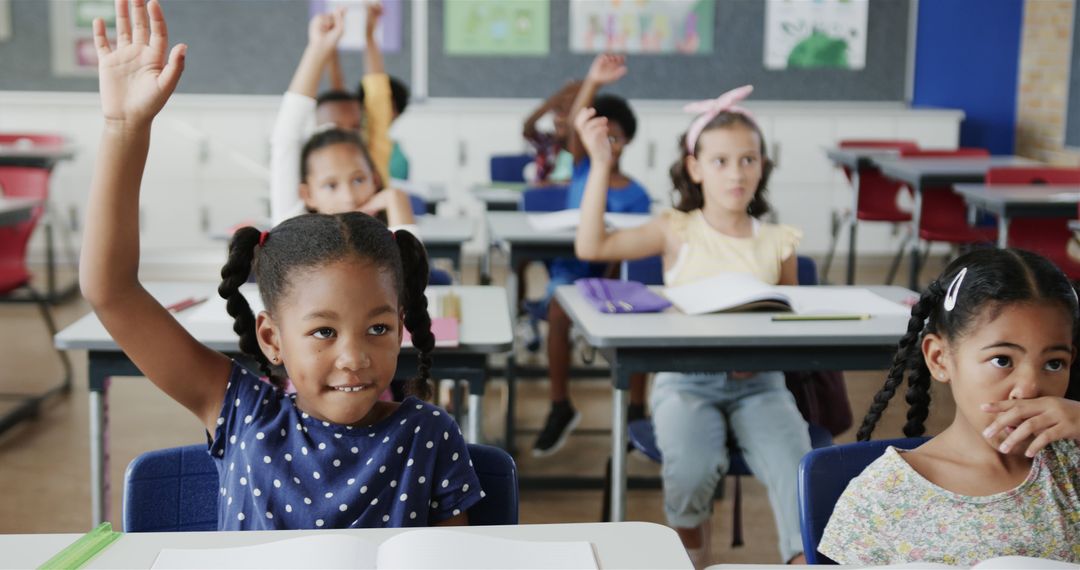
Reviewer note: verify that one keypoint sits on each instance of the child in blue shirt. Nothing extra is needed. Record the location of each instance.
(625, 195)
(339, 290)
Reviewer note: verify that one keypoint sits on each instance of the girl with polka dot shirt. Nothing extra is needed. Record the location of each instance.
(338, 290)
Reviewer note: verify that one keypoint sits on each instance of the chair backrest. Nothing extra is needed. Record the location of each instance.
(19, 182)
(509, 167)
(37, 139)
(544, 199)
(647, 270)
(962, 152)
(807, 270)
(176, 490)
(824, 474)
(877, 194)
(1022, 175)
(419, 206)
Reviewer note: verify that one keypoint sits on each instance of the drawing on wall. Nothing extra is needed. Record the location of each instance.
(642, 26)
(72, 39)
(810, 34)
(5, 20)
(497, 27)
(388, 34)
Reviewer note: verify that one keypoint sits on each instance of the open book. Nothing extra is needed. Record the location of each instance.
(742, 292)
(419, 549)
(999, 563)
(571, 219)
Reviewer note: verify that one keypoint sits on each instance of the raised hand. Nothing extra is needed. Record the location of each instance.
(607, 68)
(371, 22)
(1047, 419)
(326, 30)
(135, 77)
(593, 132)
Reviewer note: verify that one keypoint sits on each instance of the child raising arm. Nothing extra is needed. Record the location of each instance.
(339, 291)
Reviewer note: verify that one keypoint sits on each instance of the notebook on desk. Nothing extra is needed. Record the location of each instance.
(418, 549)
(732, 292)
(571, 219)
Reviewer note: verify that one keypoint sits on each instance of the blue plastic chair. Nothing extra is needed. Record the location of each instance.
(545, 199)
(419, 206)
(509, 167)
(176, 490)
(823, 476)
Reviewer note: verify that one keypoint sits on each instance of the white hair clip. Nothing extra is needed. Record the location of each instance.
(954, 289)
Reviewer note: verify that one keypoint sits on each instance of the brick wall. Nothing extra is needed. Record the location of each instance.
(1044, 82)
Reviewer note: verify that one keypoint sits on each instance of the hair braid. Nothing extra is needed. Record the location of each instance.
(908, 353)
(414, 263)
(234, 274)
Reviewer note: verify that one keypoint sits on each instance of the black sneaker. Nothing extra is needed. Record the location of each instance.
(562, 420)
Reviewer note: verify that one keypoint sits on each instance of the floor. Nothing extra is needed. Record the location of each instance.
(44, 462)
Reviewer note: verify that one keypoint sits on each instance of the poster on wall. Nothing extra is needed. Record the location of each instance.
(5, 20)
(642, 26)
(71, 37)
(388, 34)
(808, 34)
(497, 27)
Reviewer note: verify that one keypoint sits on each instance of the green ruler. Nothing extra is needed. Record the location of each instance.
(78, 553)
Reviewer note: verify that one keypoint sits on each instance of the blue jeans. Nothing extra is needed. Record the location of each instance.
(692, 414)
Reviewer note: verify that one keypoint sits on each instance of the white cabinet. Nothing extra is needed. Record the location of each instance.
(208, 156)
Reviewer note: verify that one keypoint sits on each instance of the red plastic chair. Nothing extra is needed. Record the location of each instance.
(38, 139)
(943, 216)
(18, 181)
(1045, 236)
(876, 200)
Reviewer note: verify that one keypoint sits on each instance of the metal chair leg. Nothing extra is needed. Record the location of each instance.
(838, 222)
(895, 265)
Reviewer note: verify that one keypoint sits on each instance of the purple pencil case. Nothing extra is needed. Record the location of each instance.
(615, 296)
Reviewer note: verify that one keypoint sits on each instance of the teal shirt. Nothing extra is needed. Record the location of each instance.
(399, 163)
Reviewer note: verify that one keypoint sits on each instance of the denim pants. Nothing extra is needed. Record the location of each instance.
(692, 414)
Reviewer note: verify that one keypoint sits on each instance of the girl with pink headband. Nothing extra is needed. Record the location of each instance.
(720, 181)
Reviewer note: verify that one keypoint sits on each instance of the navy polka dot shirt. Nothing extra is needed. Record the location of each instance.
(283, 469)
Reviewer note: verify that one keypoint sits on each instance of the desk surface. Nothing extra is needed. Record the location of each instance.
(15, 210)
(499, 193)
(672, 328)
(945, 170)
(1028, 194)
(618, 545)
(514, 228)
(31, 151)
(858, 157)
(485, 324)
(437, 230)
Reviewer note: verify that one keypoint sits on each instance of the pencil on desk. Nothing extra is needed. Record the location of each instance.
(185, 304)
(862, 317)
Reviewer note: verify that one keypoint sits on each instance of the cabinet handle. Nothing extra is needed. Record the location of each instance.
(204, 219)
(73, 217)
(462, 156)
(650, 154)
(776, 154)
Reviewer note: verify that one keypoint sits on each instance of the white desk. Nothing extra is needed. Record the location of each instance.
(524, 243)
(16, 210)
(617, 545)
(923, 173)
(675, 342)
(485, 329)
(499, 196)
(1008, 201)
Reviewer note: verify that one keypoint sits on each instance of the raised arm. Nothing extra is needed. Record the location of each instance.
(562, 98)
(593, 242)
(324, 33)
(605, 69)
(337, 76)
(137, 76)
(378, 106)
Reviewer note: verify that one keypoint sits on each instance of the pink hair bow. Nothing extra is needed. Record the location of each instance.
(708, 109)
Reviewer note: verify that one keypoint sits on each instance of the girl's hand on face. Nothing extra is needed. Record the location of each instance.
(135, 77)
(593, 132)
(379, 202)
(325, 30)
(607, 68)
(1048, 419)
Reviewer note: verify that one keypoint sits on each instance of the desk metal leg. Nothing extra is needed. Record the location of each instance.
(511, 397)
(99, 448)
(853, 225)
(1003, 232)
(916, 219)
(619, 400)
(477, 379)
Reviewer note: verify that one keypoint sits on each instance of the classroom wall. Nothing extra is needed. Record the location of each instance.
(1044, 82)
(966, 57)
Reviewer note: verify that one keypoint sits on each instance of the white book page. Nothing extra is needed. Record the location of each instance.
(438, 549)
(840, 301)
(1022, 563)
(555, 221)
(620, 221)
(721, 292)
(330, 551)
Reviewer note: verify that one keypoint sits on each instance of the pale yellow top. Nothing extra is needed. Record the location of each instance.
(706, 252)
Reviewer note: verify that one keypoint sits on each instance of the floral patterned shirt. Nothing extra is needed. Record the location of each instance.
(890, 514)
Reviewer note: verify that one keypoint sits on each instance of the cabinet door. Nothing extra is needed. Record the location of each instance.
(427, 137)
(799, 144)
